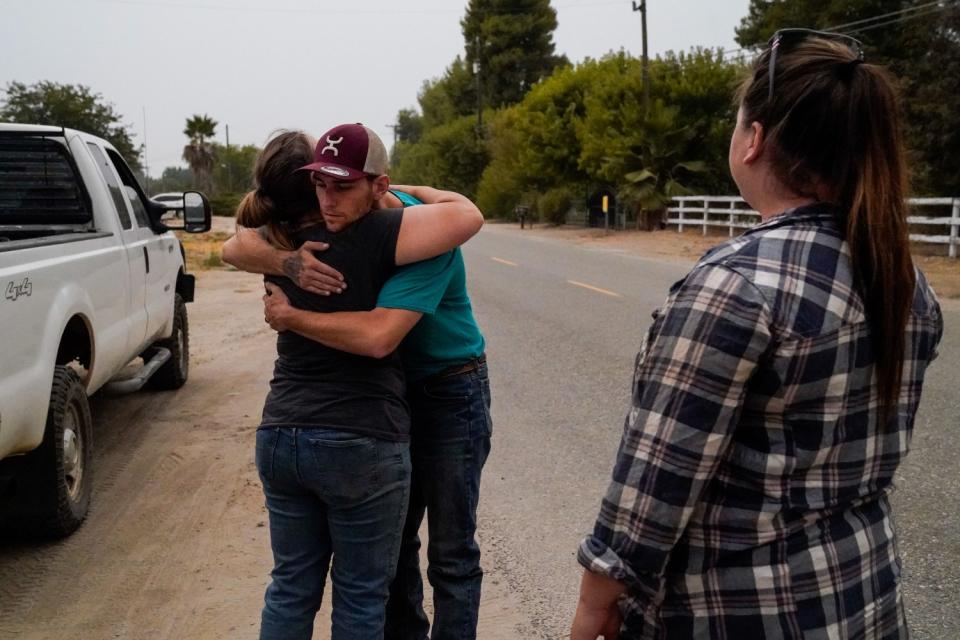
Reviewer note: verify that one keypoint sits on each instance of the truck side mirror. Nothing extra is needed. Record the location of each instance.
(196, 212)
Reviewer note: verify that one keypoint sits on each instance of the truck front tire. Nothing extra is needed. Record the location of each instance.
(173, 373)
(53, 487)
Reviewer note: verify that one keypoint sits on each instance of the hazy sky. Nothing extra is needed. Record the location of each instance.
(257, 65)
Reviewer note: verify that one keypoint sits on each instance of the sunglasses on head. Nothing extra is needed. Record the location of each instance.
(788, 36)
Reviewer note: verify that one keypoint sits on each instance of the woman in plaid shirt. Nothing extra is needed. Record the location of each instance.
(776, 391)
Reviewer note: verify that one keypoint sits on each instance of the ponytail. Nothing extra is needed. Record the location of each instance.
(876, 225)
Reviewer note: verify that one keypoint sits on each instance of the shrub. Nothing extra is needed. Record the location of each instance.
(225, 204)
(553, 206)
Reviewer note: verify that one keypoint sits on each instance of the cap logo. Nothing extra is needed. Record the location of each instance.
(332, 146)
(337, 171)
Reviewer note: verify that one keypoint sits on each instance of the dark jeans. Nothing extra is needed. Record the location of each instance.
(449, 446)
(339, 494)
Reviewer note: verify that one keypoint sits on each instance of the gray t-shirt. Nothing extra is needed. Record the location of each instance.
(315, 386)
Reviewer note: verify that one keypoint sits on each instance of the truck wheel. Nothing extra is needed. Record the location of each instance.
(54, 487)
(173, 374)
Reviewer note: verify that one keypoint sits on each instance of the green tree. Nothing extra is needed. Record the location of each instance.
(655, 170)
(71, 106)
(451, 96)
(535, 146)
(548, 153)
(199, 152)
(584, 127)
(922, 48)
(407, 132)
(554, 205)
(232, 176)
(409, 127)
(172, 179)
(511, 41)
(501, 186)
(691, 118)
(448, 157)
(233, 167)
(448, 118)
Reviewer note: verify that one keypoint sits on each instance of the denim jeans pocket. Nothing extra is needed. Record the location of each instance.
(394, 463)
(266, 444)
(346, 466)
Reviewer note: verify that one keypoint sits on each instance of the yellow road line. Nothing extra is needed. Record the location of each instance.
(612, 294)
(506, 262)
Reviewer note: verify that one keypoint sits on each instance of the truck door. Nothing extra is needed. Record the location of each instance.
(161, 279)
(135, 248)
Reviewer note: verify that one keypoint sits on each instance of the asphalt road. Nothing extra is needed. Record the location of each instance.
(564, 322)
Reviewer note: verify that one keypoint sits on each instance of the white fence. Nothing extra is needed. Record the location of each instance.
(731, 212)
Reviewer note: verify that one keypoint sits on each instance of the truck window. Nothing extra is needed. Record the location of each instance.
(39, 183)
(132, 189)
(112, 185)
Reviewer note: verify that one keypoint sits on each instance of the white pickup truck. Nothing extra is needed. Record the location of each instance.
(91, 279)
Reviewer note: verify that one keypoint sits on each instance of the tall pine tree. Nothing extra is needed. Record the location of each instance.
(510, 43)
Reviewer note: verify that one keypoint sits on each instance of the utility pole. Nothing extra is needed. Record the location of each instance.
(476, 73)
(394, 128)
(229, 165)
(642, 8)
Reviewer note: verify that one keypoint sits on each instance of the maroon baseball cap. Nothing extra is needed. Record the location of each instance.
(349, 152)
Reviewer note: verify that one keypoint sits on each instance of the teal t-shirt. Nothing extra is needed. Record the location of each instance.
(448, 334)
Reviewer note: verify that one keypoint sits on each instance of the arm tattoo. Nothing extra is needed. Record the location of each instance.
(292, 267)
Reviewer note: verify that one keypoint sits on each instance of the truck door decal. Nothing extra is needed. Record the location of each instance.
(15, 291)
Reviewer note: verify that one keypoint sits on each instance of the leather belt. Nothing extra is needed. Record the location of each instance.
(460, 369)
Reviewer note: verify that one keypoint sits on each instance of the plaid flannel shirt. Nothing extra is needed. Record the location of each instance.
(749, 496)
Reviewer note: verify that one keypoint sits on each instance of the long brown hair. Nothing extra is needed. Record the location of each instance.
(833, 126)
(283, 195)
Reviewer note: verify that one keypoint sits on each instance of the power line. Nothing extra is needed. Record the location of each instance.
(883, 16)
(901, 19)
(920, 11)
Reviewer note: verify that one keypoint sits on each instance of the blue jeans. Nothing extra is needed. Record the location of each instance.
(331, 494)
(450, 442)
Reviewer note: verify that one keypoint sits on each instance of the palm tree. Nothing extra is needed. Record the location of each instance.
(198, 152)
(654, 169)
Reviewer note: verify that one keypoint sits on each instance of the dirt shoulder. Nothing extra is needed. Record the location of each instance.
(942, 272)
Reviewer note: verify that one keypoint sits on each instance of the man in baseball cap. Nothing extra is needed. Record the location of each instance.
(343, 157)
